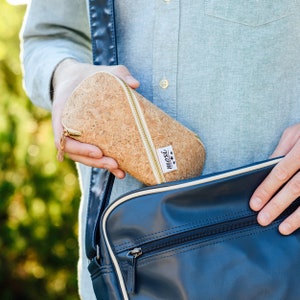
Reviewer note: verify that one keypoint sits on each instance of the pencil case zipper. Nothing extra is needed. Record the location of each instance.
(144, 134)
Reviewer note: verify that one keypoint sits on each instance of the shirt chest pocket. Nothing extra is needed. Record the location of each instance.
(250, 12)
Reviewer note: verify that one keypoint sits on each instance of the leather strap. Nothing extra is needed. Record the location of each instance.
(103, 34)
(104, 46)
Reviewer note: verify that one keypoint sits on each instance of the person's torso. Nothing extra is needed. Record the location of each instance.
(228, 70)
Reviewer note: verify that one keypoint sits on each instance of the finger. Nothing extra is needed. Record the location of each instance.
(123, 73)
(103, 163)
(73, 147)
(277, 177)
(280, 174)
(283, 147)
(280, 202)
(132, 82)
(287, 141)
(290, 224)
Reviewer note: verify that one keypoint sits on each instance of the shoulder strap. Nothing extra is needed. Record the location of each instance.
(103, 34)
(104, 48)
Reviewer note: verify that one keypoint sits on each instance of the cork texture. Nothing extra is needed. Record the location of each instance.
(99, 109)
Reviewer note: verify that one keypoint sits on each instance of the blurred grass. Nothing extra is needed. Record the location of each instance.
(39, 197)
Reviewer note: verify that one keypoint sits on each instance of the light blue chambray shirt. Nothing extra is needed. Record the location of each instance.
(228, 70)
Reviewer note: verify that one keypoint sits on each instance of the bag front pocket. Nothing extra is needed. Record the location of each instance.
(232, 256)
(250, 12)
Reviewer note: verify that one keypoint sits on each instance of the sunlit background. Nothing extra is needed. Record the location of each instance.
(17, 2)
(39, 197)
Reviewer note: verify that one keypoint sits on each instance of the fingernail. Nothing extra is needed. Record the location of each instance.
(120, 174)
(132, 81)
(285, 228)
(256, 203)
(264, 218)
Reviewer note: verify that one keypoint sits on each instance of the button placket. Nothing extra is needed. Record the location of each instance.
(165, 53)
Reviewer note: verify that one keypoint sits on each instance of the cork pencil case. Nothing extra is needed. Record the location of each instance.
(146, 142)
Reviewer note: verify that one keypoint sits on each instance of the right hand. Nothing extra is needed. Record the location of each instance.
(67, 76)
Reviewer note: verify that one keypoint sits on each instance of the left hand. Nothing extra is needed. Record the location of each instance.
(266, 200)
(67, 76)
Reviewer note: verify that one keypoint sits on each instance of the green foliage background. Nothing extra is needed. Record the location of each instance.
(39, 197)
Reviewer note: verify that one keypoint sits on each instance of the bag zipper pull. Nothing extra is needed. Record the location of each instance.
(132, 255)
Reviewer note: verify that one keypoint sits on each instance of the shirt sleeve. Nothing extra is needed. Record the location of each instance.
(52, 31)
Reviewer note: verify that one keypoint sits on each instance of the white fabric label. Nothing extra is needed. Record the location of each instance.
(167, 159)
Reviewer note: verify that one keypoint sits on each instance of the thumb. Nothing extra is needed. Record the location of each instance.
(288, 140)
(123, 73)
(131, 81)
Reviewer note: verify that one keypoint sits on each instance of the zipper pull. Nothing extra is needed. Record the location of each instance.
(131, 272)
(61, 150)
(66, 132)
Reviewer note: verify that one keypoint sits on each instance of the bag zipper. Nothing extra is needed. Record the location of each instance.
(206, 233)
(179, 239)
(132, 261)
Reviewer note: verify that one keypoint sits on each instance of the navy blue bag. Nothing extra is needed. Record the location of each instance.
(191, 240)
(195, 239)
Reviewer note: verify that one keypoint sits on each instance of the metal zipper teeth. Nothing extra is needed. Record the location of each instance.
(199, 233)
(199, 237)
(165, 188)
(145, 135)
(244, 222)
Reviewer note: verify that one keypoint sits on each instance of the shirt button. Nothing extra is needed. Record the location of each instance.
(164, 83)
